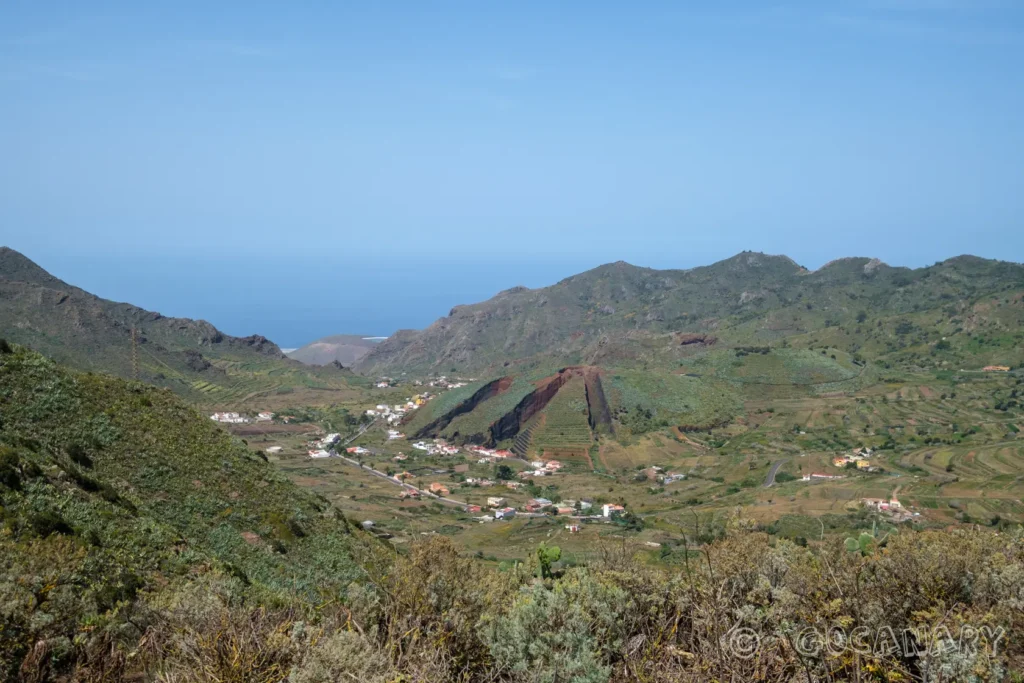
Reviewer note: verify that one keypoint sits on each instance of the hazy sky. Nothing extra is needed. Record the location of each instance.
(364, 166)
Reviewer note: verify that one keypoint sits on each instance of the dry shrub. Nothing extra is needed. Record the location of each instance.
(343, 656)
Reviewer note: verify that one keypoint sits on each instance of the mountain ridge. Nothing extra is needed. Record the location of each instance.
(618, 304)
(90, 333)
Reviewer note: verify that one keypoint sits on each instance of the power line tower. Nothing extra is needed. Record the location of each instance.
(135, 355)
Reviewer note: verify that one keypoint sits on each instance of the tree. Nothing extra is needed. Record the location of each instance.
(862, 316)
(546, 556)
(504, 472)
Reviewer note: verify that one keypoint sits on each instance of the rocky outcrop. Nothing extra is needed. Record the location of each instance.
(599, 415)
(195, 361)
(691, 339)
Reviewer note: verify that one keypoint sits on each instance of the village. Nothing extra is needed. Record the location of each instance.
(473, 484)
(496, 507)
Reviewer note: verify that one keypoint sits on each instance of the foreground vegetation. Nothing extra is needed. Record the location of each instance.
(117, 496)
(140, 542)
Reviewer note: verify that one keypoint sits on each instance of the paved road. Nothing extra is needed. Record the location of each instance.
(770, 479)
(410, 487)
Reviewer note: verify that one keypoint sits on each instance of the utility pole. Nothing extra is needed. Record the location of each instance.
(135, 355)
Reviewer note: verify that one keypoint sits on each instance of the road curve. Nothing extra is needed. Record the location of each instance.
(770, 479)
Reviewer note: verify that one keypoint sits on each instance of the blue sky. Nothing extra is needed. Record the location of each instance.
(305, 170)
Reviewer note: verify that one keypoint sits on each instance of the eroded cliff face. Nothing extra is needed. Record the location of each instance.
(487, 391)
(511, 423)
(599, 415)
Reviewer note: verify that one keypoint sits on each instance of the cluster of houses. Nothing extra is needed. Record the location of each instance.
(236, 418)
(443, 383)
(490, 454)
(394, 414)
(659, 475)
(569, 508)
(323, 448)
(541, 468)
(892, 508)
(858, 457)
(881, 504)
(436, 447)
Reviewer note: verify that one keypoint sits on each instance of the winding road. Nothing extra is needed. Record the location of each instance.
(770, 479)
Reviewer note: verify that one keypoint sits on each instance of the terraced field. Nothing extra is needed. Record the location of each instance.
(777, 367)
(563, 428)
(235, 384)
(674, 398)
(997, 465)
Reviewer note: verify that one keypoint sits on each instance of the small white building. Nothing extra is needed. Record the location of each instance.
(495, 502)
(505, 513)
(609, 511)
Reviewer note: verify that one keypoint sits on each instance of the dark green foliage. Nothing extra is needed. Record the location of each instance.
(79, 456)
(48, 522)
(546, 556)
(110, 490)
(10, 470)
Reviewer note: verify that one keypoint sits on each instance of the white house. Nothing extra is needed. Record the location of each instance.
(505, 513)
(608, 510)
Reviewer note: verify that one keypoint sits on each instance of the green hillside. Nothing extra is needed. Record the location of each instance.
(140, 542)
(963, 311)
(117, 500)
(191, 357)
